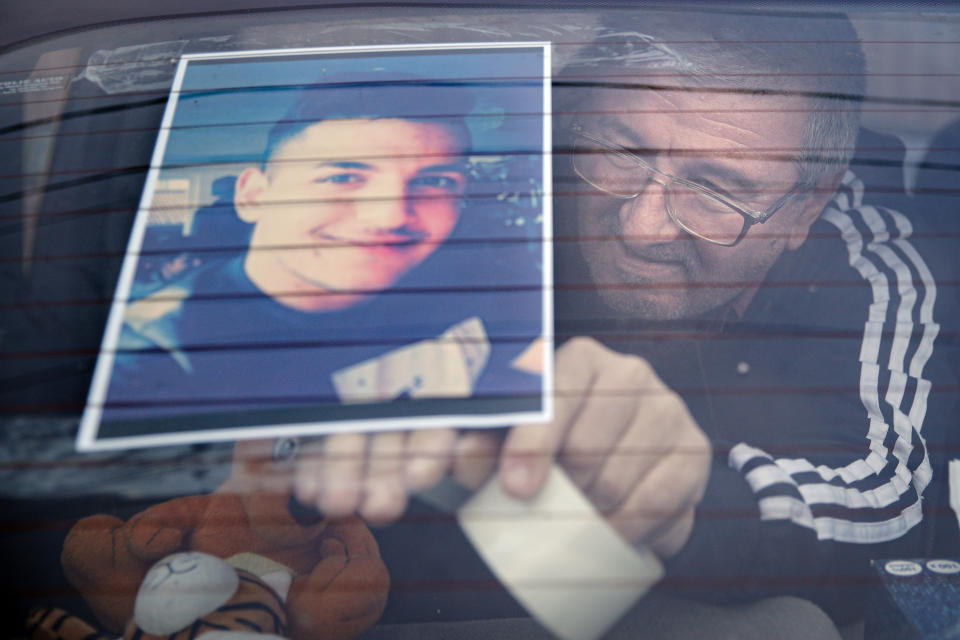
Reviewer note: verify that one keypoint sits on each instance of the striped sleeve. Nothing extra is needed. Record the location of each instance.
(876, 496)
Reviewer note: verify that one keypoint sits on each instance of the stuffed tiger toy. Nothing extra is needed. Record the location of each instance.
(191, 596)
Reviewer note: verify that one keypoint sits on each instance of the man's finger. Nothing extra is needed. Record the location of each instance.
(429, 453)
(475, 457)
(341, 474)
(307, 473)
(650, 506)
(659, 420)
(668, 491)
(528, 453)
(254, 468)
(529, 450)
(596, 436)
(385, 494)
(667, 541)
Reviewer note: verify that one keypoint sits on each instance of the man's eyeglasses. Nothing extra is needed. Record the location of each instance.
(698, 210)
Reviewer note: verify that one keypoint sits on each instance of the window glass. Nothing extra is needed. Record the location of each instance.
(745, 219)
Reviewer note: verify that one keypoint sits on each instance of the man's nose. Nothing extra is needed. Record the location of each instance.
(384, 207)
(644, 220)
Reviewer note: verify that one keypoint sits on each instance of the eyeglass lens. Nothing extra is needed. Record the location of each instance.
(618, 173)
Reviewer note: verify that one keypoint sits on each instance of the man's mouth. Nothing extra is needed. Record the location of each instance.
(662, 263)
(393, 241)
(667, 253)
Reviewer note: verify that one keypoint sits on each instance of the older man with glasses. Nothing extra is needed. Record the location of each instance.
(762, 383)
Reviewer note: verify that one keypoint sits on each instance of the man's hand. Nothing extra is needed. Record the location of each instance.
(373, 475)
(624, 438)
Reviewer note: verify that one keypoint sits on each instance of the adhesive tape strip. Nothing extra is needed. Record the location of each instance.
(558, 556)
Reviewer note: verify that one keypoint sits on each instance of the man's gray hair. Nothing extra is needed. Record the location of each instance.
(817, 56)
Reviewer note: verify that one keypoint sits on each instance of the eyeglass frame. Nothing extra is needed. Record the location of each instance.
(750, 216)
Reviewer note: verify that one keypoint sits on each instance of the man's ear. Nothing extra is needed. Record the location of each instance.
(809, 208)
(246, 195)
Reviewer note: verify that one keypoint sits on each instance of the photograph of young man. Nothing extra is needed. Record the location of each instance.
(360, 186)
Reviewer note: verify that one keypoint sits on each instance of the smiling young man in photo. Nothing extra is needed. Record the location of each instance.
(347, 291)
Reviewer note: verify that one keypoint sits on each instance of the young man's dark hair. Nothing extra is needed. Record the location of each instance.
(375, 95)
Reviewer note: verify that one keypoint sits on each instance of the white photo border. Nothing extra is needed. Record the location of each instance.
(87, 436)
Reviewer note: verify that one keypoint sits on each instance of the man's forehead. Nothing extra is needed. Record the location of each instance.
(761, 136)
(744, 118)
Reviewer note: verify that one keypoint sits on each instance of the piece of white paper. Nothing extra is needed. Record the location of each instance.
(559, 557)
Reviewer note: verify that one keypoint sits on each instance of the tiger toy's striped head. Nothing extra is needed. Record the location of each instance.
(188, 595)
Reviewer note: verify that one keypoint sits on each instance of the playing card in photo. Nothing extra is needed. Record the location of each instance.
(447, 367)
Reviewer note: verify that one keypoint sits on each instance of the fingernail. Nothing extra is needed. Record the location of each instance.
(419, 473)
(516, 477)
(384, 504)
